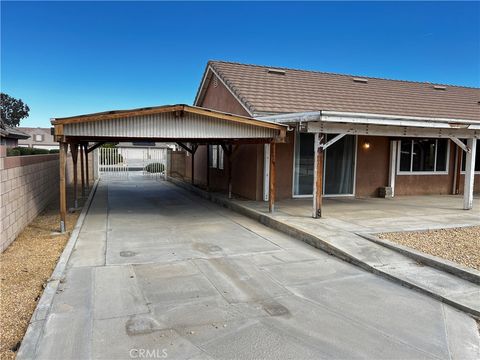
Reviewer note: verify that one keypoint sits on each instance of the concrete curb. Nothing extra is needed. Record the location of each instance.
(316, 242)
(35, 327)
(463, 272)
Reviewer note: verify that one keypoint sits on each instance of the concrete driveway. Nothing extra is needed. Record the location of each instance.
(160, 273)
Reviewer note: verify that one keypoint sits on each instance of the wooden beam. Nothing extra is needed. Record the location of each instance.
(200, 141)
(272, 187)
(469, 174)
(193, 151)
(458, 169)
(392, 131)
(318, 177)
(93, 147)
(460, 144)
(208, 167)
(63, 186)
(185, 147)
(228, 152)
(74, 151)
(87, 181)
(234, 151)
(82, 171)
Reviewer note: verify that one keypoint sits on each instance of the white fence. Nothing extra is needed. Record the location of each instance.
(120, 163)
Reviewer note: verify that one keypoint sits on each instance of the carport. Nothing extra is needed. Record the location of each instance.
(185, 125)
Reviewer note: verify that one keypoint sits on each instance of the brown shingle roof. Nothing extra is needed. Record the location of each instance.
(299, 90)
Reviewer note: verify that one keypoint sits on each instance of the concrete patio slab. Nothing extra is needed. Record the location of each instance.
(229, 288)
(333, 236)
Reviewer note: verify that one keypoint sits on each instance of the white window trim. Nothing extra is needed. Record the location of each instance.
(411, 172)
(462, 172)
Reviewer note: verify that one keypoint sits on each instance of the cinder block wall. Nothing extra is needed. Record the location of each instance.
(28, 184)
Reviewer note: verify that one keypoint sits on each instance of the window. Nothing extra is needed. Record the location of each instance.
(423, 156)
(38, 137)
(477, 158)
(215, 156)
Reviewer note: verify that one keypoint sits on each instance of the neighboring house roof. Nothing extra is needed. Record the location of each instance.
(36, 130)
(269, 90)
(12, 132)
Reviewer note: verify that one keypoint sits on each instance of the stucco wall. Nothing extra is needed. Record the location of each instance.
(373, 168)
(247, 168)
(372, 165)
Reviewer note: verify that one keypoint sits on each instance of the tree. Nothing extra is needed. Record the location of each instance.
(12, 110)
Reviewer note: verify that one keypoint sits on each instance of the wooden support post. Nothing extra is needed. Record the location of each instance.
(86, 167)
(82, 170)
(229, 173)
(74, 151)
(193, 151)
(272, 187)
(393, 166)
(469, 174)
(63, 186)
(208, 167)
(317, 177)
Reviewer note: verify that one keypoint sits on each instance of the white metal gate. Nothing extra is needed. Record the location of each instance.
(121, 162)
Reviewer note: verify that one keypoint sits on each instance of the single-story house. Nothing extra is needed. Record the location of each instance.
(379, 136)
(267, 133)
(11, 135)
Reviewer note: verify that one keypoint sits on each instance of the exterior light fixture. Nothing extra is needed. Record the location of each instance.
(366, 145)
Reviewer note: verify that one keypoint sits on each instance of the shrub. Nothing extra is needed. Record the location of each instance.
(155, 168)
(22, 151)
(54, 151)
(13, 152)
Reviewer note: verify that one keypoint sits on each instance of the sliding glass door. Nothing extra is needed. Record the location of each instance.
(339, 166)
(303, 165)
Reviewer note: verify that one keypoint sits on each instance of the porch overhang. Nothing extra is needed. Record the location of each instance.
(393, 126)
(334, 122)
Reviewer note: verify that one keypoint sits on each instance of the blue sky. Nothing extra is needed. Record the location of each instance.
(68, 58)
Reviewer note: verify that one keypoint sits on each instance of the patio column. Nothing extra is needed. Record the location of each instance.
(208, 167)
(469, 174)
(393, 165)
(86, 166)
(317, 177)
(272, 183)
(74, 151)
(82, 172)
(63, 186)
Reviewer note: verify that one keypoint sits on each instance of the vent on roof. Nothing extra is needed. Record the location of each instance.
(360, 80)
(439, 87)
(276, 71)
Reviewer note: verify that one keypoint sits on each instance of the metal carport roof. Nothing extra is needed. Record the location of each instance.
(170, 123)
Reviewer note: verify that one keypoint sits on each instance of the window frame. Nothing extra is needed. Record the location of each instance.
(475, 172)
(214, 162)
(430, 172)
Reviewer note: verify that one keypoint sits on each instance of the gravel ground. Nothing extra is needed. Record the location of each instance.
(460, 245)
(25, 267)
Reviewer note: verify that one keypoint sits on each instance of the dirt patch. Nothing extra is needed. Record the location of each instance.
(460, 245)
(25, 267)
